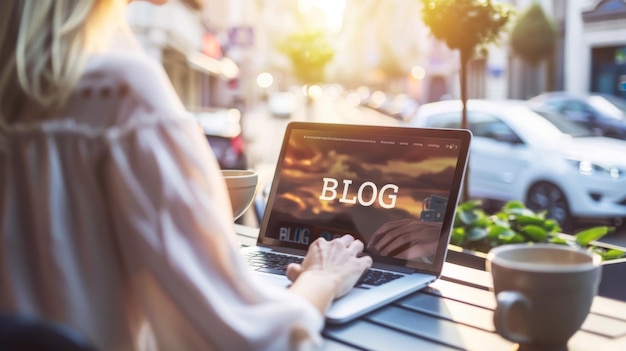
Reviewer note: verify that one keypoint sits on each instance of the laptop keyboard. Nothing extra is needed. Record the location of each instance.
(271, 262)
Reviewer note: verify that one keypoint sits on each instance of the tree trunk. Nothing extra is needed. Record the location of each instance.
(308, 107)
(465, 56)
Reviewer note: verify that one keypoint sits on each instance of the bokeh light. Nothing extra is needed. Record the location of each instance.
(264, 80)
(418, 72)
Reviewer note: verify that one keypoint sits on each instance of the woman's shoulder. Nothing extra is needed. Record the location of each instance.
(135, 72)
(128, 66)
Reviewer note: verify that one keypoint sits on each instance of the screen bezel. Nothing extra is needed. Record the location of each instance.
(461, 135)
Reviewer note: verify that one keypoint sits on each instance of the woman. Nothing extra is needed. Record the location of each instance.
(114, 217)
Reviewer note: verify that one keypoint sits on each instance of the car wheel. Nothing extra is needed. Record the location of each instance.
(547, 196)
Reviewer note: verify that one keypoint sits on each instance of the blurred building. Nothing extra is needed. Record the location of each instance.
(186, 36)
(378, 42)
(595, 48)
(590, 53)
(213, 50)
(525, 80)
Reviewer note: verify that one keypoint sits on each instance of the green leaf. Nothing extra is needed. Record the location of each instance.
(458, 236)
(531, 220)
(502, 216)
(476, 234)
(502, 222)
(535, 232)
(612, 254)
(483, 222)
(557, 240)
(506, 234)
(469, 205)
(552, 226)
(521, 212)
(468, 217)
(496, 230)
(514, 239)
(513, 204)
(584, 237)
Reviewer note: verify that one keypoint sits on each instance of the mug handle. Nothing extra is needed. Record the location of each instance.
(506, 300)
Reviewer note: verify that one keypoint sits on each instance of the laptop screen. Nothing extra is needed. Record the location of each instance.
(394, 188)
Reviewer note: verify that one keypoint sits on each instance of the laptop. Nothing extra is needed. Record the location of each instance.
(394, 188)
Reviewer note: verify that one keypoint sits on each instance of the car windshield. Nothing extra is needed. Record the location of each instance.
(566, 126)
(611, 106)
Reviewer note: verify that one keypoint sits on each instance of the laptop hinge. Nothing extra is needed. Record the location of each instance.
(287, 250)
(389, 267)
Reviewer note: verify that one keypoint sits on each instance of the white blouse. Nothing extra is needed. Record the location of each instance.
(114, 219)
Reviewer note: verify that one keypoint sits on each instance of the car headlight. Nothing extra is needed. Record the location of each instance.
(591, 168)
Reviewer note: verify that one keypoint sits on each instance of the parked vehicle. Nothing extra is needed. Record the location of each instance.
(400, 106)
(222, 128)
(282, 104)
(604, 114)
(542, 159)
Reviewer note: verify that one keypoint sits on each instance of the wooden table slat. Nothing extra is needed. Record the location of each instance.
(584, 341)
(595, 323)
(606, 326)
(614, 345)
(463, 293)
(450, 309)
(469, 275)
(425, 326)
(332, 345)
(374, 337)
(609, 307)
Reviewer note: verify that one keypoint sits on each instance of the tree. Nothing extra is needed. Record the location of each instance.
(309, 52)
(466, 25)
(534, 38)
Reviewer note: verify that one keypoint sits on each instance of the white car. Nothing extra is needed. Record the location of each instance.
(282, 104)
(542, 159)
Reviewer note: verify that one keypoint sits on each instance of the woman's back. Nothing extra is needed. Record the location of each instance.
(62, 251)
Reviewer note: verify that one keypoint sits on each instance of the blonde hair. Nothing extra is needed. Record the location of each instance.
(44, 45)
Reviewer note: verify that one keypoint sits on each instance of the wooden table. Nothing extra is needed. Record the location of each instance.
(455, 313)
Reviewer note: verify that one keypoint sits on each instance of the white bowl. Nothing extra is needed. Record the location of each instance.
(241, 186)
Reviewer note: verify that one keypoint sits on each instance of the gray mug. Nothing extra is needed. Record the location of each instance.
(543, 292)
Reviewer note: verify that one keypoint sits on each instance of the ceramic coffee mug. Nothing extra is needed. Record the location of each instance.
(241, 186)
(543, 291)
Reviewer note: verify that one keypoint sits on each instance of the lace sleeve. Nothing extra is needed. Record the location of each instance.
(171, 216)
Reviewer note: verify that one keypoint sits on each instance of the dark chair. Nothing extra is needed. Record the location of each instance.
(28, 333)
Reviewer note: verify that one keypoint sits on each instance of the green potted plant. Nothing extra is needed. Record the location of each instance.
(475, 232)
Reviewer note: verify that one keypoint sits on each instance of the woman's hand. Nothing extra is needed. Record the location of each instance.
(335, 261)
